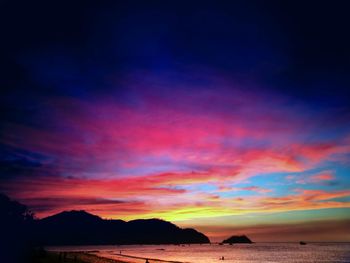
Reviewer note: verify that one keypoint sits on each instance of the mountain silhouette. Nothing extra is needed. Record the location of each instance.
(82, 228)
(238, 239)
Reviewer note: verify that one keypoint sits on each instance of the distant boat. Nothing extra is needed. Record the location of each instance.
(302, 243)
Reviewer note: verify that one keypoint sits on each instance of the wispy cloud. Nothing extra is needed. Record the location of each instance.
(318, 178)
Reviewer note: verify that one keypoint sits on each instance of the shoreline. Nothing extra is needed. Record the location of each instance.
(150, 259)
(87, 257)
(91, 257)
(74, 257)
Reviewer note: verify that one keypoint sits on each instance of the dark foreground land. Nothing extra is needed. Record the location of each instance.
(22, 234)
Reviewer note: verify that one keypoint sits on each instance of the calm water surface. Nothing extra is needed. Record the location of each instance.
(238, 253)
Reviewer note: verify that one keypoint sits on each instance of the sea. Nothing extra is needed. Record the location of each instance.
(209, 253)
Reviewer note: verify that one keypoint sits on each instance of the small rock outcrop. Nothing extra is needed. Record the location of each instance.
(238, 239)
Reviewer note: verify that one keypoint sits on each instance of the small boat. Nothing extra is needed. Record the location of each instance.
(302, 243)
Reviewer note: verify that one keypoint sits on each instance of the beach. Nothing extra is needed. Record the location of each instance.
(92, 257)
(73, 257)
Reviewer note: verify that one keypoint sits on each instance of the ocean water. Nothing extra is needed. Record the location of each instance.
(237, 253)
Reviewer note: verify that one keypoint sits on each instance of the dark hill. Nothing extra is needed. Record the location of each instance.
(71, 217)
(82, 228)
(238, 239)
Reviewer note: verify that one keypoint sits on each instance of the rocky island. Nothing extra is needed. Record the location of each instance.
(238, 239)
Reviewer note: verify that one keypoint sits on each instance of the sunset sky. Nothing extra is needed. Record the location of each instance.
(232, 118)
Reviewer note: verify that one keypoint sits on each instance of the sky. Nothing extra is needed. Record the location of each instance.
(231, 117)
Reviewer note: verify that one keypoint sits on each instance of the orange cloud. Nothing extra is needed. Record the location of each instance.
(321, 177)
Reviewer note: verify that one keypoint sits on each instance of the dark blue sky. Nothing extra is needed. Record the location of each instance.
(296, 47)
